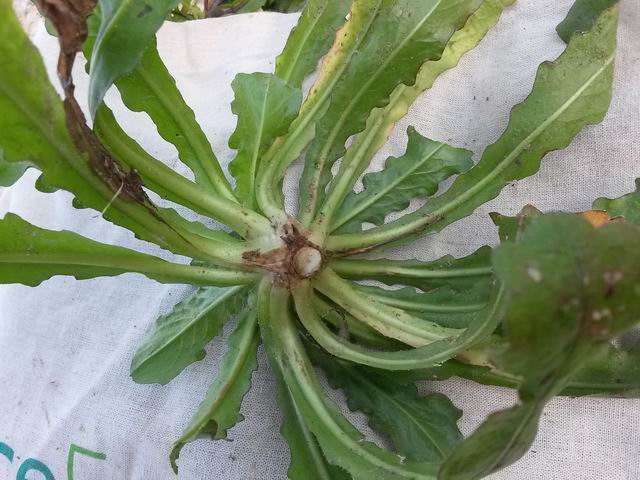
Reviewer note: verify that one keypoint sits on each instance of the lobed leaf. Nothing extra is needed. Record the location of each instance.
(400, 35)
(422, 429)
(150, 88)
(342, 444)
(569, 93)
(417, 174)
(382, 120)
(220, 410)
(265, 106)
(178, 338)
(572, 289)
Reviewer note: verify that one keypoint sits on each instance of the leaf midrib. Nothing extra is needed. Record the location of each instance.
(298, 54)
(308, 116)
(504, 164)
(218, 301)
(365, 87)
(319, 406)
(198, 149)
(378, 195)
(239, 362)
(391, 399)
(256, 146)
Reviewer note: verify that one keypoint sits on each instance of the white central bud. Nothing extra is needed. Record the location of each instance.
(307, 261)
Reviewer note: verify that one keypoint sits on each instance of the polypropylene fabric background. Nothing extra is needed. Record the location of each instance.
(66, 346)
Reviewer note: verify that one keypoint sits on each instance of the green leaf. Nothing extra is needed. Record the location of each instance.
(420, 428)
(265, 106)
(627, 207)
(342, 444)
(389, 321)
(501, 440)
(170, 185)
(220, 410)
(339, 318)
(30, 255)
(572, 288)
(381, 121)
(400, 35)
(569, 93)
(460, 274)
(10, 173)
(616, 374)
(310, 39)
(127, 28)
(253, 6)
(427, 354)
(417, 174)
(178, 338)
(33, 130)
(285, 6)
(582, 17)
(307, 460)
(150, 88)
(510, 228)
(445, 305)
(583, 282)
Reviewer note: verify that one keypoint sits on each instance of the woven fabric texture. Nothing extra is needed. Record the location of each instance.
(66, 346)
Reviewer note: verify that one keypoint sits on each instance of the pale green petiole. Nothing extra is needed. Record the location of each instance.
(244, 221)
(389, 321)
(372, 268)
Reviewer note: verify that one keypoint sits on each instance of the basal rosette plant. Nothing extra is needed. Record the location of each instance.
(537, 313)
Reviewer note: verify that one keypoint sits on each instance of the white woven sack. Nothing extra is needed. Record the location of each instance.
(66, 346)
